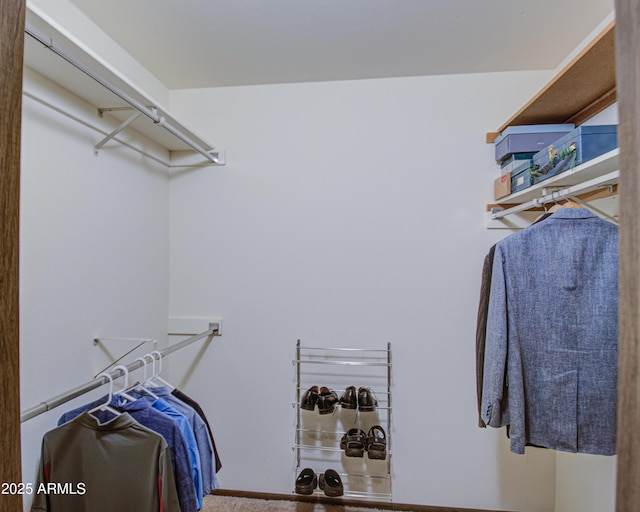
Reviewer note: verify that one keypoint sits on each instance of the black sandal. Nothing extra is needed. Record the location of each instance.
(377, 443)
(306, 482)
(354, 443)
(331, 483)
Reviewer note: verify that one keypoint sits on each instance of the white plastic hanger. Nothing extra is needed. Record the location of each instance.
(156, 376)
(140, 386)
(147, 381)
(145, 384)
(123, 391)
(106, 406)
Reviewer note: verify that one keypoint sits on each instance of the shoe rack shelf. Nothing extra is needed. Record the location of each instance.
(318, 434)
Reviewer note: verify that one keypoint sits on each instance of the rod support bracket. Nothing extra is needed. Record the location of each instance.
(496, 210)
(214, 327)
(218, 156)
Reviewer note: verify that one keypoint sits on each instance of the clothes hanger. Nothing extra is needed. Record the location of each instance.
(557, 205)
(542, 216)
(123, 391)
(106, 406)
(157, 377)
(595, 210)
(146, 384)
(153, 368)
(140, 386)
(571, 204)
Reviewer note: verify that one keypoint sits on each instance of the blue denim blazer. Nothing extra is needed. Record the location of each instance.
(551, 353)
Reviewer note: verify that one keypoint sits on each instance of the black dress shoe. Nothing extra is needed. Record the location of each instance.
(327, 400)
(349, 399)
(306, 481)
(309, 399)
(377, 443)
(366, 400)
(331, 483)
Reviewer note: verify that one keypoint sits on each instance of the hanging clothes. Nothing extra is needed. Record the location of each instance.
(481, 328)
(205, 448)
(121, 464)
(550, 355)
(181, 452)
(178, 430)
(196, 407)
(185, 426)
(481, 323)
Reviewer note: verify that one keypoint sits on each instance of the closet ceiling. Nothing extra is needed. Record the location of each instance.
(208, 43)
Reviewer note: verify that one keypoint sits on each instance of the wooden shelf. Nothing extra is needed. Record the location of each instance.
(583, 88)
(586, 86)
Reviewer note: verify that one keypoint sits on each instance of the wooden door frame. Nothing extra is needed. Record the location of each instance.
(12, 19)
(628, 86)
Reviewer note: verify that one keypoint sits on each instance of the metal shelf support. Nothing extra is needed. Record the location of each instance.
(565, 192)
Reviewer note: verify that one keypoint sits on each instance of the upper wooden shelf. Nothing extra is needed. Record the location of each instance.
(584, 87)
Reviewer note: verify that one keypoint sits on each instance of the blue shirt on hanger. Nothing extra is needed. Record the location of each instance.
(205, 448)
(185, 426)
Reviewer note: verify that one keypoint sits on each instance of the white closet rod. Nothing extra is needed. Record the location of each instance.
(499, 213)
(47, 405)
(95, 128)
(150, 113)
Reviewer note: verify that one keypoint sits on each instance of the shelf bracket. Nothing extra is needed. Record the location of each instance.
(553, 194)
(559, 194)
(115, 132)
(593, 209)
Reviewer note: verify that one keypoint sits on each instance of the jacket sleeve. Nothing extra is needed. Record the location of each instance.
(494, 408)
(481, 329)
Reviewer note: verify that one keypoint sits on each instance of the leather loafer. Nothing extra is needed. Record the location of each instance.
(331, 483)
(349, 399)
(309, 399)
(366, 400)
(327, 400)
(306, 481)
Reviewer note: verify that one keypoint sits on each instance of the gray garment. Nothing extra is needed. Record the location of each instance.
(118, 465)
(551, 353)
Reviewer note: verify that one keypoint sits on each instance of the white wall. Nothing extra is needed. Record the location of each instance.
(349, 214)
(94, 239)
(585, 482)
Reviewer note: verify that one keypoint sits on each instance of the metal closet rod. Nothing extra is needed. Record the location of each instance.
(47, 405)
(150, 113)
